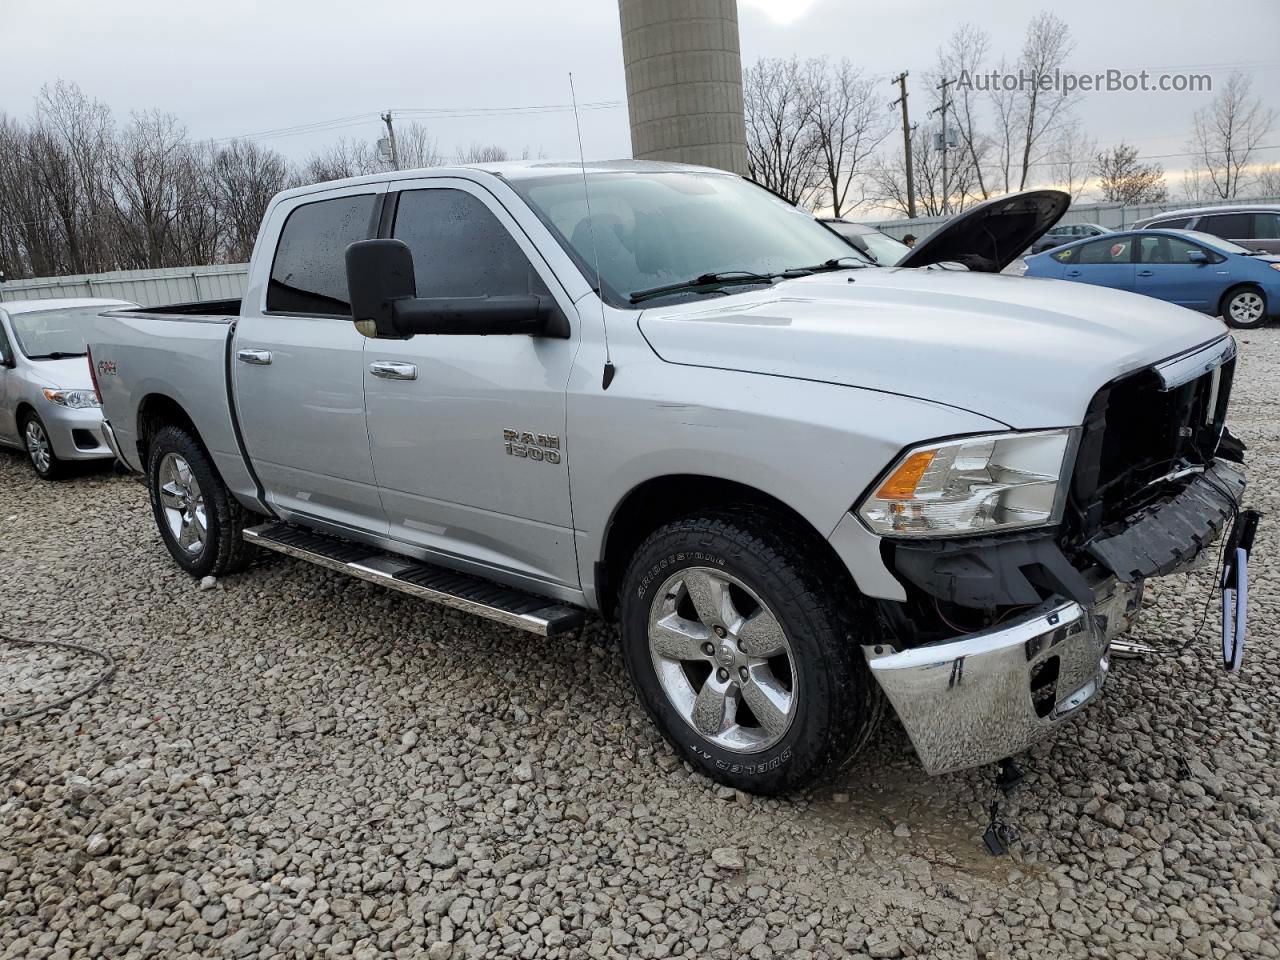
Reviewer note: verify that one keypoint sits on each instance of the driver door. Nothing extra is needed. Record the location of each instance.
(468, 432)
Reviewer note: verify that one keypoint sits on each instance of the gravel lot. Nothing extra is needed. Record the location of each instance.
(296, 764)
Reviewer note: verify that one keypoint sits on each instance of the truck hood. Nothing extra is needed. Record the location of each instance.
(69, 374)
(1026, 351)
(990, 235)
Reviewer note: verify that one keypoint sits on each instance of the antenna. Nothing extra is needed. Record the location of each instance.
(609, 369)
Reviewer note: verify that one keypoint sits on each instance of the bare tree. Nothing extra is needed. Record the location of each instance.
(960, 60)
(245, 177)
(416, 147)
(1225, 135)
(1072, 158)
(1124, 178)
(783, 152)
(69, 152)
(849, 123)
(887, 180)
(483, 153)
(1268, 181)
(148, 160)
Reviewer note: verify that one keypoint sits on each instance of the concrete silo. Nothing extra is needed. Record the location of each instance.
(684, 81)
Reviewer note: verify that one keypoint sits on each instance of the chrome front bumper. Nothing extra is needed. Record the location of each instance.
(991, 694)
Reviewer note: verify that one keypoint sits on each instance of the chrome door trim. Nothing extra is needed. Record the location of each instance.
(393, 370)
(257, 357)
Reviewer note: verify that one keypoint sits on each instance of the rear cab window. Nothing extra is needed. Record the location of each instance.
(309, 272)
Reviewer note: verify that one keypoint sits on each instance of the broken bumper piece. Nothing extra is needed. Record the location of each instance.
(991, 694)
(1161, 539)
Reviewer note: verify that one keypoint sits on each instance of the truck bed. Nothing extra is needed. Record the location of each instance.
(149, 358)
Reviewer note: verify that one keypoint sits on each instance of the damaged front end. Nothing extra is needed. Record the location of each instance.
(1002, 637)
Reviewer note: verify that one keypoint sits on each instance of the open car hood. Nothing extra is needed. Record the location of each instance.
(988, 237)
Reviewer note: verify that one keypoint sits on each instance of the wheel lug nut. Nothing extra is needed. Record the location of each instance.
(720, 631)
(722, 674)
(742, 672)
(708, 649)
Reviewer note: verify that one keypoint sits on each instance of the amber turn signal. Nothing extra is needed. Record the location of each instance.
(901, 484)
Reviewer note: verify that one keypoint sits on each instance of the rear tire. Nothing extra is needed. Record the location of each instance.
(745, 651)
(1245, 308)
(200, 522)
(35, 438)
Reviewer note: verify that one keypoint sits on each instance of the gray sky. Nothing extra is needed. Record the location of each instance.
(236, 67)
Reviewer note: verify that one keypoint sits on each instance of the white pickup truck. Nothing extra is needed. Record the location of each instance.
(802, 484)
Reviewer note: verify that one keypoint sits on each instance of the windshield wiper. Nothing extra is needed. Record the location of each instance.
(833, 264)
(720, 279)
(56, 355)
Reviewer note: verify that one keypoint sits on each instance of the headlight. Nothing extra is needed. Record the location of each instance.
(72, 398)
(975, 485)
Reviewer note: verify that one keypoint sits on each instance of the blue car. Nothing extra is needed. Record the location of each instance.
(1191, 269)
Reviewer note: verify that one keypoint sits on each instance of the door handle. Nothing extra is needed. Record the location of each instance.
(1146, 273)
(390, 370)
(259, 357)
(1073, 273)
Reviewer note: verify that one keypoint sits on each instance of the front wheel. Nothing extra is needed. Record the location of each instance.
(201, 523)
(1245, 308)
(44, 460)
(746, 653)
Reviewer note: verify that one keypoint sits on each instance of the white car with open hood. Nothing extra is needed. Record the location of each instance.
(803, 484)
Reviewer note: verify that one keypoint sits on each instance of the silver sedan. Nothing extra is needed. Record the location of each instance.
(48, 405)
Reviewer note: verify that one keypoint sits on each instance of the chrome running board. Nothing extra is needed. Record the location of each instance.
(461, 591)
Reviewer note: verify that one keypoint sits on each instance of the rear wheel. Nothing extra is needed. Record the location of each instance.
(40, 449)
(1245, 308)
(201, 523)
(745, 653)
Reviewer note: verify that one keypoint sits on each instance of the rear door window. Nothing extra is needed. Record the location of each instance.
(1228, 226)
(1105, 251)
(309, 274)
(1177, 223)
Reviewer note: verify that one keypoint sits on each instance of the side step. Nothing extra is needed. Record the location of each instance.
(471, 594)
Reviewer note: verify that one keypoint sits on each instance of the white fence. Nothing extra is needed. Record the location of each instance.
(1113, 216)
(150, 288)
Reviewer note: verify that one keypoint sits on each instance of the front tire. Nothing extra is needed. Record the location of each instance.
(200, 522)
(1245, 308)
(40, 449)
(745, 651)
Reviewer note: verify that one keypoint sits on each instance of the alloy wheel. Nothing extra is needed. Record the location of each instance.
(38, 447)
(723, 660)
(1246, 307)
(183, 503)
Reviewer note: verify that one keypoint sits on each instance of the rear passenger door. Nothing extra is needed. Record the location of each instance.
(468, 432)
(298, 363)
(1106, 262)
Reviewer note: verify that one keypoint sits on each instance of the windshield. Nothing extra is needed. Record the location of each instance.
(1209, 240)
(50, 334)
(884, 248)
(653, 229)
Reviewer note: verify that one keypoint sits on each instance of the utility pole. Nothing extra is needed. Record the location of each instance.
(901, 81)
(391, 137)
(946, 191)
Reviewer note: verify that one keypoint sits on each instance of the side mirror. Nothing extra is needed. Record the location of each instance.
(385, 304)
(1198, 257)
